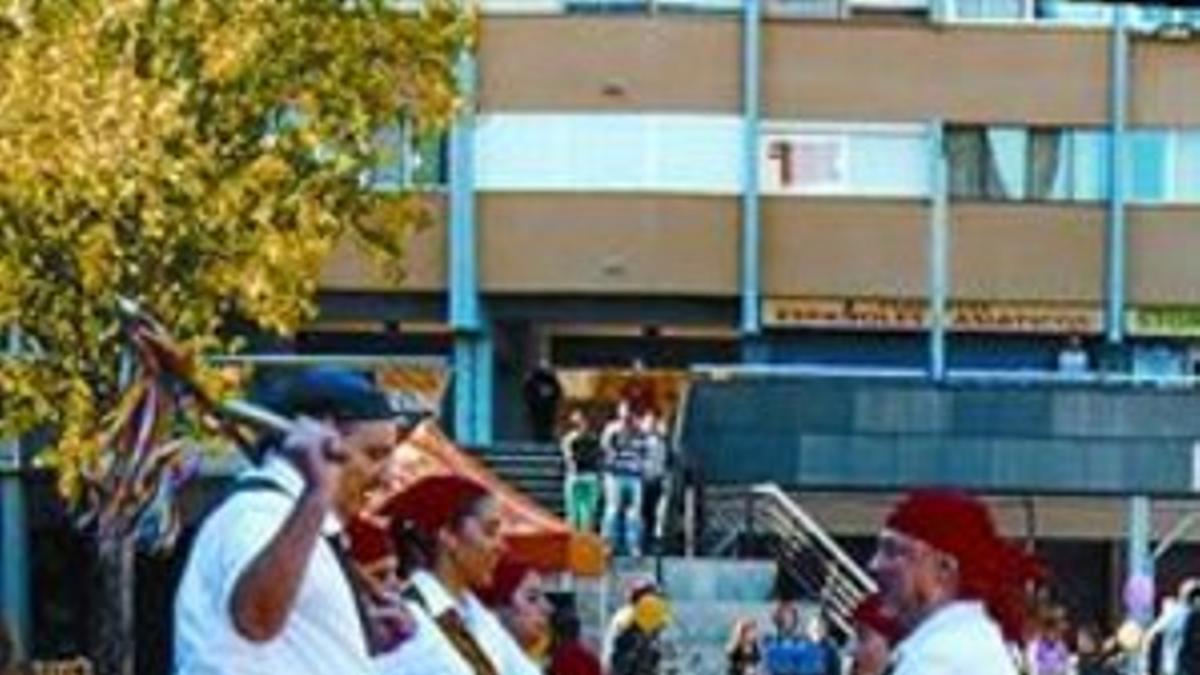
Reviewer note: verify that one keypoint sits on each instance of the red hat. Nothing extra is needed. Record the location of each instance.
(370, 543)
(434, 502)
(508, 576)
(960, 526)
(869, 613)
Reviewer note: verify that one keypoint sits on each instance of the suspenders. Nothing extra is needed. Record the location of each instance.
(451, 625)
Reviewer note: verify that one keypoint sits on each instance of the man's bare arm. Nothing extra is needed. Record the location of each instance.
(266, 591)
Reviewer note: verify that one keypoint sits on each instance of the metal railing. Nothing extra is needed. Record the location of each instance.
(1096, 378)
(802, 549)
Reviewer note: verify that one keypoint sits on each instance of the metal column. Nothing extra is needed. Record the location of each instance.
(938, 251)
(751, 233)
(1140, 560)
(14, 548)
(15, 608)
(1115, 273)
(472, 341)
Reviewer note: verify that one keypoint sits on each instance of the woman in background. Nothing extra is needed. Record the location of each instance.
(517, 597)
(742, 652)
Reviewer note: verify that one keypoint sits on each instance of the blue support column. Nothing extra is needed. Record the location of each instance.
(474, 364)
(473, 360)
(463, 257)
(1141, 561)
(938, 251)
(751, 235)
(464, 388)
(1117, 163)
(14, 547)
(14, 536)
(484, 387)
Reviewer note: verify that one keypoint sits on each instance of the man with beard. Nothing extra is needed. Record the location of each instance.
(953, 586)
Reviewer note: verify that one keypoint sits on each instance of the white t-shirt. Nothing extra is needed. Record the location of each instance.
(322, 635)
(429, 652)
(957, 639)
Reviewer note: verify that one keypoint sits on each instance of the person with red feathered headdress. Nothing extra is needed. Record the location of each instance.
(446, 531)
(518, 598)
(955, 588)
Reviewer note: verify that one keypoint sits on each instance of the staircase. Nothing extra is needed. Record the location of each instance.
(707, 597)
(536, 469)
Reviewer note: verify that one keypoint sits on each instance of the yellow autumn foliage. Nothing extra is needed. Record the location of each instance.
(200, 156)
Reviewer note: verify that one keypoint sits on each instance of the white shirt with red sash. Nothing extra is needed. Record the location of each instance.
(429, 652)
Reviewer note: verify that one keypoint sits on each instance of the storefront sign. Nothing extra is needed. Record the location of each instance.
(856, 314)
(913, 315)
(1006, 317)
(1164, 321)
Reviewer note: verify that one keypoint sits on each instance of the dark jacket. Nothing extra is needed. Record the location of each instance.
(636, 652)
(1189, 649)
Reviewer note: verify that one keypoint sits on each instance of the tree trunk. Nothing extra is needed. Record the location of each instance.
(113, 629)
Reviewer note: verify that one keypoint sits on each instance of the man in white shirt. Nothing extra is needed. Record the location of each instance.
(952, 585)
(1167, 631)
(265, 590)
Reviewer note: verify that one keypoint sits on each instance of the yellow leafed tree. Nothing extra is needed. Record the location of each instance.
(200, 156)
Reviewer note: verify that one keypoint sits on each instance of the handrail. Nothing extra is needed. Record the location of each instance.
(814, 529)
(958, 376)
(346, 360)
(796, 539)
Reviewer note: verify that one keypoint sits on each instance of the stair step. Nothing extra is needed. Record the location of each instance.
(707, 595)
(536, 471)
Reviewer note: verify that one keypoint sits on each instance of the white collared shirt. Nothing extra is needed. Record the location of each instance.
(322, 635)
(429, 652)
(957, 639)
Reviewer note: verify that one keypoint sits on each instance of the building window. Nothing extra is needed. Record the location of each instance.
(1026, 163)
(848, 159)
(606, 6)
(406, 160)
(991, 10)
(604, 152)
(1187, 168)
(973, 154)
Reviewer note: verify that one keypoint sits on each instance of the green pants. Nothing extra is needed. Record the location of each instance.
(583, 493)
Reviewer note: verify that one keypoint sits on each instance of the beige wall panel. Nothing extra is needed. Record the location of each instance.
(544, 243)
(610, 64)
(349, 268)
(834, 247)
(1165, 84)
(1027, 252)
(1164, 255)
(840, 71)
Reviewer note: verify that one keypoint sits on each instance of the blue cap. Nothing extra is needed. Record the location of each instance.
(340, 394)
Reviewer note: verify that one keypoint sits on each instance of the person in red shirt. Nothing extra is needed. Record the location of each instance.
(571, 656)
